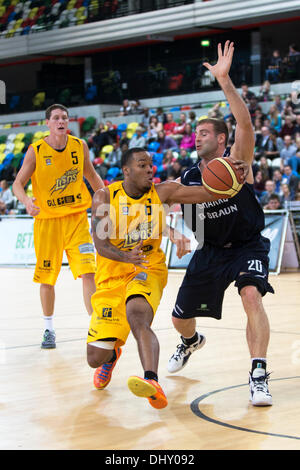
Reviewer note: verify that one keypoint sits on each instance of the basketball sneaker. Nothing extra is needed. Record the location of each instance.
(259, 391)
(48, 340)
(183, 352)
(149, 389)
(102, 375)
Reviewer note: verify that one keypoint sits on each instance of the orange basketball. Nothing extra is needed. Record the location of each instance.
(221, 178)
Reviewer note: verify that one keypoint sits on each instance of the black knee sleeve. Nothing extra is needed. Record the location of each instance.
(260, 283)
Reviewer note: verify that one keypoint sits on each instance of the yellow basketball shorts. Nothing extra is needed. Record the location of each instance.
(54, 236)
(109, 302)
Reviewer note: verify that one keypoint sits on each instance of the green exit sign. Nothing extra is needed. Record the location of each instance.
(205, 43)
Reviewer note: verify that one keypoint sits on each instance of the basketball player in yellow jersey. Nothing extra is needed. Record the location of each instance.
(56, 166)
(127, 224)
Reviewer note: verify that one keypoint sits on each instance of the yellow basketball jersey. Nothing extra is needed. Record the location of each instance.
(57, 181)
(133, 220)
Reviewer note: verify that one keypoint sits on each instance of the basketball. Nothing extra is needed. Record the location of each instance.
(221, 178)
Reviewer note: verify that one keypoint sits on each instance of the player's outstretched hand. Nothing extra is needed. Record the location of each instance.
(183, 244)
(241, 166)
(136, 256)
(222, 67)
(31, 208)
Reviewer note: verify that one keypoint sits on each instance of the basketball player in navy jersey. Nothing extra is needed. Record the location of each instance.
(233, 248)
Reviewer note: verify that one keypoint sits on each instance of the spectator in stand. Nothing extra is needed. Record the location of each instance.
(231, 130)
(296, 126)
(136, 107)
(286, 194)
(258, 114)
(99, 138)
(185, 160)
(295, 102)
(179, 129)
(175, 170)
(265, 92)
(288, 152)
(154, 127)
(167, 164)
(293, 50)
(298, 193)
(215, 112)
(275, 118)
(279, 140)
(192, 120)
(288, 110)
(269, 189)
(166, 142)
(169, 125)
(258, 184)
(113, 159)
(124, 139)
(295, 163)
(6, 198)
(273, 70)
(290, 178)
(111, 129)
(257, 127)
(145, 118)
(188, 139)
(274, 203)
(254, 107)
(278, 103)
(274, 146)
(161, 116)
(265, 143)
(246, 94)
(288, 127)
(277, 178)
(266, 169)
(125, 109)
(138, 140)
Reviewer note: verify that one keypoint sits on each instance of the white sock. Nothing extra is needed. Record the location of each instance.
(49, 323)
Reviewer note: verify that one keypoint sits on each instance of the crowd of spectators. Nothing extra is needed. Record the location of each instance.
(171, 142)
(284, 67)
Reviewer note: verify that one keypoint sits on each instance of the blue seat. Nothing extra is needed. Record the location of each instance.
(7, 160)
(15, 100)
(91, 93)
(157, 159)
(121, 128)
(26, 30)
(153, 146)
(112, 173)
(176, 108)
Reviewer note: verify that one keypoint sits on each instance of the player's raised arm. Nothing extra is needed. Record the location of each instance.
(243, 147)
(173, 192)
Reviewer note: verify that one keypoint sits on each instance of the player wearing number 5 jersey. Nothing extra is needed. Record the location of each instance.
(232, 249)
(57, 165)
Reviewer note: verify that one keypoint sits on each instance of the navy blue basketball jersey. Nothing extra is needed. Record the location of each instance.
(226, 221)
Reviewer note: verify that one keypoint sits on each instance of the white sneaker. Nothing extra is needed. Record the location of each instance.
(259, 391)
(179, 359)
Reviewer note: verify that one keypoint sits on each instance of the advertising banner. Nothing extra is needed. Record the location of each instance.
(17, 245)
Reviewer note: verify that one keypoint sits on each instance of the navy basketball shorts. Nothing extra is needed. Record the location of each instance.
(212, 269)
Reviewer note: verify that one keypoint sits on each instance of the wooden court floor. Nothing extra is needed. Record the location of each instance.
(47, 399)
